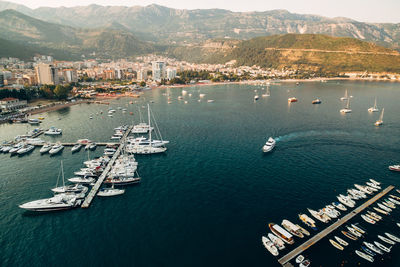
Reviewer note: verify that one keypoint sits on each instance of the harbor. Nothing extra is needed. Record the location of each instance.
(284, 261)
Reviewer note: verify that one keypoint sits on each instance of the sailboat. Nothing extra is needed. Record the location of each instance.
(380, 121)
(347, 108)
(345, 97)
(148, 147)
(374, 108)
(142, 127)
(68, 189)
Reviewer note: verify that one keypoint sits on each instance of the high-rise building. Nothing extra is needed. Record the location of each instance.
(142, 75)
(158, 70)
(70, 76)
(46, 74)
(171, 73)
(1, 80)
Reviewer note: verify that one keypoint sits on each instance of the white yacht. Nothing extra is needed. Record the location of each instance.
(365, 256)
(53, 131)
(45, 148)
(269, 145)
(34, 141)
(320, 216)
(269, 246)
(56, 149)
(109, 151)
(142, 141)
(25, 149)
(347, 108)
(122, 180)
(16, 147)
(109, 192)
(82, 180)
(387, 240)
(58, 202)
(374, 108)
(277, 241)
(73, 188)
(76, 148)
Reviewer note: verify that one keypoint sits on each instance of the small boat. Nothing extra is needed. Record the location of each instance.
(74, 188)
(304, 231)
(375, 182)
(122, 180)
(53, 131)
(352, 237)
(381, 211)
(368, 251)
(375, 215)
(282, 233)
(358, 228)
(347, 108)
(382, 247)
(388, 205)
(373, 247)
(291, 228)
(92, 146)
(345, 97)
(269, 145)
(25, 149)
(34, 121)
(387, 240)
(374, 108)
(56, 149)
(299, 259)
(319, 216)
(269, 246)
(364, 256)
(395, 197)
(373, 185)
(307, 220)
(341, 241)
(277, 241)
(208, 101)
(305, 263)
(398, 224)
(335, 244)
(76, 148)
(395, 168)
(339, 206)
(82, 180)
(109, 192)
(372, 217)
(380, 121)
(45, 148)
(353, 231)
(316, 101)
(393, 237)
(256, 97)
(292, 99)
(367, 219)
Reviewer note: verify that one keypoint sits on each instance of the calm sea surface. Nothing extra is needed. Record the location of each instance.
(208, 200)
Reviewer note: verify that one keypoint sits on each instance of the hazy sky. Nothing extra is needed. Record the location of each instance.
(361, 10)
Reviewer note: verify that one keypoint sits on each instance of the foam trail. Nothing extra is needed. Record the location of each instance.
(295, 135)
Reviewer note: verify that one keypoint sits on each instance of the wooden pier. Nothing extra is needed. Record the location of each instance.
(89, 198)
(284, 261)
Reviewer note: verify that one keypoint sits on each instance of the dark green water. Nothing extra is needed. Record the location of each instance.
(208, 200)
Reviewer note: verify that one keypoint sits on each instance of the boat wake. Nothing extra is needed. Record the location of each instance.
(296, 135)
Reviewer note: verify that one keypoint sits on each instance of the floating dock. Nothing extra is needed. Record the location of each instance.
(284, 261)
(89, 198)
(72, 144)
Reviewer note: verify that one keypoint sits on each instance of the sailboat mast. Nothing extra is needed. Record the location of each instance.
(348, 103)
(375, 104)
(62, 173)
(381, 118)
(148, 114)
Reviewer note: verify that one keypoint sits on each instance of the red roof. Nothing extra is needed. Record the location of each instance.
(8, 99)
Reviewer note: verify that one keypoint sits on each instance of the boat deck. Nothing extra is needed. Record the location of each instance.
(89, 198)
(72, 144)
(284, 261)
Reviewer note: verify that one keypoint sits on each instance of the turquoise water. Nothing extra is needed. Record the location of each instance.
(208, 200)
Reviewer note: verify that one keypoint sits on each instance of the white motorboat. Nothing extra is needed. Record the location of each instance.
(109, 151)
(305, 263)
(384, 207)
(92, 146)
(34, 121)
(394, 201)
(6, 149)
(143, 141)
(346, 201)
(269, 246)
(34, 141)
(379, 122)
(16, 147)
(335, 244)
(308, 221)
(364, 256)
(304, 231)
(381, 211)
(269, 145)
(373, 247)
(45, 148)
(341, 241)
(374, 108)
(292, 228)
(277, 241)
(282, 233)
(56, 149)
(25, 149)
(339, 206)
(82, 180)
(382, 247)
(256, 97)
(393, 237)
(347, 108)
(300, 259)
(364, 189)
(387, 240)
(53, 131)
(142, 128)
(320, 216)
(122, 180)
(74, 188)
(367, 219)
(110, 192)
(58, 202)
(76, 148)
(353, 231)
(375, 182)
(395, 168)
(358, 228)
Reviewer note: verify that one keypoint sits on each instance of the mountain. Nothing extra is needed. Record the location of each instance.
(69, 42)
(178, 26)
(314, 52)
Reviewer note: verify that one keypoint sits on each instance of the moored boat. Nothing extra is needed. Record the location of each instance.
(76, 148)
(373, 247)
(387, 240)
(335, 244)
(352, 237)
(341, 241)
(269, 246)
(393, 237)
(358, 228)
(299, 259)
(307, 220)
(291, 228)
(381, 211)
(304, 231)
(382, 247)
(58, 202)
(56, 149)
(367, 219)
(364, 256)
(45, 148)
(277, 241)
(282, 233)
(319, 216)
(339, 206)
(292, 99)
(305, 263)
(109, 192)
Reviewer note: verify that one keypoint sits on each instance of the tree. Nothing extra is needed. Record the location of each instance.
(61, 92)
(142, 84)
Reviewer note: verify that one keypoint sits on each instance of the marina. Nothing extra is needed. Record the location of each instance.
(300, 249)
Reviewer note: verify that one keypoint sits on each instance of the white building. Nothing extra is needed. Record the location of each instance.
(158, 68)
(70, 76)
(46, 74)
(9, 104)
(142, 75)
(171, 73)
